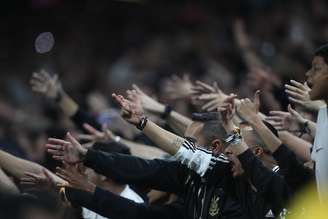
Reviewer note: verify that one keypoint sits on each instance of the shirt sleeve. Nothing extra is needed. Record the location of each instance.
(158, 174)
(198, 159)
(112, 206)
(268, 183)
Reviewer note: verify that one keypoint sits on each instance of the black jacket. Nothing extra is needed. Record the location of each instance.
(217, 195)
(295, 173)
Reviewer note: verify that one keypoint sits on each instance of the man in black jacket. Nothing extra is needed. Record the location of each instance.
(209, 190)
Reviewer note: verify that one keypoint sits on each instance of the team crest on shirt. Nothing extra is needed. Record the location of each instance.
(214, 207)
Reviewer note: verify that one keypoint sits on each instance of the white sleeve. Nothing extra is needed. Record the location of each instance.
(196, 159)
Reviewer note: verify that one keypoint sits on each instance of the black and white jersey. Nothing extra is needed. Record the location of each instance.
(200, 160)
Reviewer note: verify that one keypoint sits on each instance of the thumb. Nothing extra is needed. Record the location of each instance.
(257, 100)
(71, 139)
(292, 111)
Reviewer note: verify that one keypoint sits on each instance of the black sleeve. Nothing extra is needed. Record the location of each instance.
(270, 185)
(112, 206)
(158, 174)
(295, 173)
(81, 117)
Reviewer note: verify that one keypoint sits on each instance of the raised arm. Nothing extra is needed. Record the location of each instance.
(51, 87)
(175, 120)
(6, 184)
(293, 170)
(113, 206)
(17, 167)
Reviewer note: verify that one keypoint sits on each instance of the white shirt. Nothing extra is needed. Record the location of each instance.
(320, 153)
(127, 193)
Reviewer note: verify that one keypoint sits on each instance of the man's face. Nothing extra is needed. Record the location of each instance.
(236, 167)
(317, 79)
(194, 131)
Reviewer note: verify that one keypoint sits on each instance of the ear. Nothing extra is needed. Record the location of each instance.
(217, 147)
(258, 151)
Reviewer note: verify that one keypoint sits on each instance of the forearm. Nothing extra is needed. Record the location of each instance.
(17, 166)
(6, 184)
(166, 140)
(143, 151)
(113, 206)
(124, 169)
(269, 139)
(178, 122)
(299, 146)
(67, 105)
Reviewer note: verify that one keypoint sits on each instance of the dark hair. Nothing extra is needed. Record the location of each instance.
(322, 51)
(213, 128)
(112, 147)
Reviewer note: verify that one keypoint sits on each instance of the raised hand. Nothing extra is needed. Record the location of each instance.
(49, 86)
(43, 179)
(248, 110)
(70, 151)
(95, 135)
(178, 88)
(131, 110)
(148, 103)
(240, 34)
(227, 111)
(290, 121)
(75, 177)
(202, 88)
(299, 93)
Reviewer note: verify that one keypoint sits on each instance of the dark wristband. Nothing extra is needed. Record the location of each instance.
(167, 112)
(142, 124)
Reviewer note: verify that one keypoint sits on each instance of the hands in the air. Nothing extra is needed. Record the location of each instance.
(70, 151)
(300, 94)
(248, 110)
(290, 121)
(75, 177)
(49, 86)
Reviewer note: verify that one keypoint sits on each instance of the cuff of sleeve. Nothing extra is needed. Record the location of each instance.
(78, 197)
(195, 159)
(90, 157)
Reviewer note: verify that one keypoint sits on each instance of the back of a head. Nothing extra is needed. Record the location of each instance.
(212, 128)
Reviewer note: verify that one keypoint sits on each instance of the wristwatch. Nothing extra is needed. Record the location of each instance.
(233, 138)
(142, 123)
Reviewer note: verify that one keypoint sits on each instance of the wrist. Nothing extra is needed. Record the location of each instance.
(254, 120)
(142, 123)
(83, 153)
(167, 111)
(229, 126)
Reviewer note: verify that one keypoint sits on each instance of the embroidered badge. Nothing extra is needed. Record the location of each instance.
(214, 207)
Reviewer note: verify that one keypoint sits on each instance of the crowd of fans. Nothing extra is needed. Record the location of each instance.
(197, 110)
